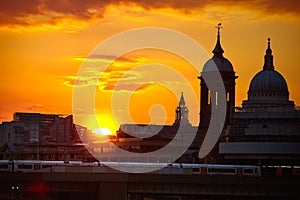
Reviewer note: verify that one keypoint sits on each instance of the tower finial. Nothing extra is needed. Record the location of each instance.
(182, 101)
(218, 51)
(269, 39)
(268, 65)
(219, 26)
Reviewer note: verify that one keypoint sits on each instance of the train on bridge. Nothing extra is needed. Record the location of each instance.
(16, 166)
(131, 167)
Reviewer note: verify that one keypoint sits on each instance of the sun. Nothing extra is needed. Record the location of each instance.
(102, 131)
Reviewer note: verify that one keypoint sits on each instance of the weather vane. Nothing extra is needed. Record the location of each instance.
(219, 26)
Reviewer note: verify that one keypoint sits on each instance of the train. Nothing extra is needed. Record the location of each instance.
(23, 166)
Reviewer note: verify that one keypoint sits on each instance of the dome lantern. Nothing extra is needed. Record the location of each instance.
(268, 65)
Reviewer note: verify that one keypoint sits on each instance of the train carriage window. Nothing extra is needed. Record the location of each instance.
(24, 166)
(4, 166)
(196, 170)
(248, 171)
(221, 170)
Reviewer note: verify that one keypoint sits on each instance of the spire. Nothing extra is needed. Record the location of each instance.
(182, 112)
(268, 65)
(182, 101)
(218, 51)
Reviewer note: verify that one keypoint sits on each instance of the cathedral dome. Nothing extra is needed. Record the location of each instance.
(268, 81)
(268, 89)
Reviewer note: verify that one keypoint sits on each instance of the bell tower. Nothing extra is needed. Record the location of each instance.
(182, 112)
(210, 98)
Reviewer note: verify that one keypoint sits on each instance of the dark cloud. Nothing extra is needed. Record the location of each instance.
(16, 12)
(292, 7)
(22, 12)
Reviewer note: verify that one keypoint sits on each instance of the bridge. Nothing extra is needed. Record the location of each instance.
(118, 186)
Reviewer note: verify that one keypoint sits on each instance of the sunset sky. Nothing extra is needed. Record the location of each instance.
(44, 42)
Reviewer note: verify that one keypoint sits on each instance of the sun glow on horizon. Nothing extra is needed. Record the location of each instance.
(43, 50)
(102, 131)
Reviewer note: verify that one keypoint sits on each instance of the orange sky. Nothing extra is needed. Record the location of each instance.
(44, 42)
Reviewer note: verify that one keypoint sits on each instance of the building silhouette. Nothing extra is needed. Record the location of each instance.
(182, 112)
(36, 136)
(144, 138)
(265, 130)
(210, 98)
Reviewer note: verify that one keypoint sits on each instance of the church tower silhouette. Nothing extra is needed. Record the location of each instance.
(182, 112)
(210, 98)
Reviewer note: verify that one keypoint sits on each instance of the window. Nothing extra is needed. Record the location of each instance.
(24, 166)
(196, 170)
(3, 166)
(221, 170)
(248, 171)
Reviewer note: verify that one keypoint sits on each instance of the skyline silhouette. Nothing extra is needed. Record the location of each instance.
(41, 57)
